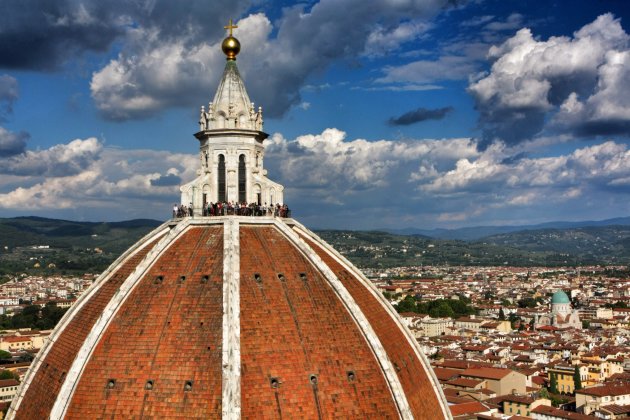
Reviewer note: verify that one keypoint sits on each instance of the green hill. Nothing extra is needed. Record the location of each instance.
(590, 244)
(62, 246)
(378, 249)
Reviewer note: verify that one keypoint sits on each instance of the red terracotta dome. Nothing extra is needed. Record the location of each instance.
(231, 317)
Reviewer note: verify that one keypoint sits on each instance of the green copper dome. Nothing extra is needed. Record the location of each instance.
(560, 297)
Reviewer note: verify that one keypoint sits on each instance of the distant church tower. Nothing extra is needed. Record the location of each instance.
(231, 147)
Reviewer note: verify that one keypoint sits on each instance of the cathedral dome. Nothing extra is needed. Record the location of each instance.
(231, 317)
(216, 314)
(560, 297)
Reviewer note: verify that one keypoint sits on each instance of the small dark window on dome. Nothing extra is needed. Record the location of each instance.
(313, 379)
(182, 279)
(188, 386)
(159, 279)
(257, 277)
(111, 383)
(149, 385)
(205, 279)
(303, 276)
(351, 375)
(274, 382)
(281, 277)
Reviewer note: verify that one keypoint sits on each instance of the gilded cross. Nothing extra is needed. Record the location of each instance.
(230, 27)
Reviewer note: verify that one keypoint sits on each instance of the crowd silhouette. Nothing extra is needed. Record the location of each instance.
(233, 209)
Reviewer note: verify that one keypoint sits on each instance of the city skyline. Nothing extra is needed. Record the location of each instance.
(391, 114)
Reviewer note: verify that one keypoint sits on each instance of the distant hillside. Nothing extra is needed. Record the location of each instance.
(74, 247)
(379, 249)
(477, 232)
(110, 236)
(79, 247)
(592, 243)
(542, 247)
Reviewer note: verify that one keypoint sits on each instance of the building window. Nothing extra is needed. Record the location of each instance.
(242, 182)
(221, 176)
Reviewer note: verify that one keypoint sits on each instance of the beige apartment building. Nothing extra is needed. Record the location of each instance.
(501, 381)
(433, 327)
(8, 389)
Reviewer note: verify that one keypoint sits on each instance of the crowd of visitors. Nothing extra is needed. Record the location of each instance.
(234, 209)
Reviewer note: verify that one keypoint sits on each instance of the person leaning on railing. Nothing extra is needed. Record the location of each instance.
(227, 208)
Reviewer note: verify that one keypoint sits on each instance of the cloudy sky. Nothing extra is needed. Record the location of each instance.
(381, 113)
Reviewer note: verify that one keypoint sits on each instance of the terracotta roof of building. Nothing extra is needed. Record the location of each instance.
(8, 382)
(487, 373)
(444, 374)
(475, 347)
(472, 320)
(464, 382)
(15, 339)
(538, 380)
(463, 364)
(622, 377)
(606, 390)
(467, 408)
(453, 397)
(617, 409)
(522, 399)
(556, 412)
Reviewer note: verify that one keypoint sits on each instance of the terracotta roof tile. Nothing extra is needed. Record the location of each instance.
(487, 373)
(467, 408)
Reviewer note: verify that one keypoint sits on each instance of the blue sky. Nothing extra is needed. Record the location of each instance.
(381, 114)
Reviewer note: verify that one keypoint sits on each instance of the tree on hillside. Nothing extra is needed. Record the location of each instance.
(501, 314)
(543, 393)
(408, 304)
(577, 381)
(515, 320)
(527, 302)
(7, 374)
(553, 383)
(442, 310)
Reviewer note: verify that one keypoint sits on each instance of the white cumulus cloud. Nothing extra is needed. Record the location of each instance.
(158, 67)
(579, 78)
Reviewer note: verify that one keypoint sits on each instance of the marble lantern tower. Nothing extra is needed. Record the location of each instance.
(231, 148)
